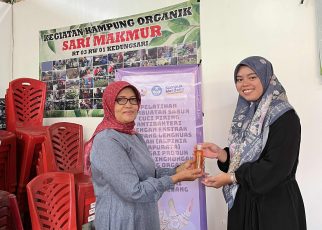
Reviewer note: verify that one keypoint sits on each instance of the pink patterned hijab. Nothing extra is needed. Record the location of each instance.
(109, 121)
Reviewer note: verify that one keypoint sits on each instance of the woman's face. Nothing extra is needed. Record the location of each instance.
(126, 106)
(248, 84)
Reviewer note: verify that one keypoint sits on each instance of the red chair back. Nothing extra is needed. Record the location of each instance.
(46, 159)
(62, 150)
(67, 146)
(25, 102)
(52, 202)
(85, 200)
(8, 180)
(9, 213)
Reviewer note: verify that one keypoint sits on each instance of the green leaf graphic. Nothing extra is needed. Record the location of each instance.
(105, 22)
(77, 112)
(160, 40)
(84, 113)
(194, 36)
(179, 40)
(52, 31)
(72, 27)
(51, 46)
(84, 25)
(98, 113)
(43, 32)
(196, 12)
(56, 113)
(179, 25)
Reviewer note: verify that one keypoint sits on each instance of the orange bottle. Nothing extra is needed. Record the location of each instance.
(199, 158)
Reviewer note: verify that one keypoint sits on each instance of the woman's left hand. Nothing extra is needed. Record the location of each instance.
(217, 181)
(185, 165)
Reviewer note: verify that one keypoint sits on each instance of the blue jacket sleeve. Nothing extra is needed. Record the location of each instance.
(110, 162)
(161, 172)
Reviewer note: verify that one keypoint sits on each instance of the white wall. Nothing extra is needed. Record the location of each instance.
(282, 31)
(5, 46)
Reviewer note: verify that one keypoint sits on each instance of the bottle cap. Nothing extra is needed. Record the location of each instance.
(199, 147)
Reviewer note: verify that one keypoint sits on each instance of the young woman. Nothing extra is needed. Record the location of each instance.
(261, 159)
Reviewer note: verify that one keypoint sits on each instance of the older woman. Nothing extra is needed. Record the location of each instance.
(126, 182)
(259, 166)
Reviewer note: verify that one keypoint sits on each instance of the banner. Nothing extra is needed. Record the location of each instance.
(77, 62)
(170, 120)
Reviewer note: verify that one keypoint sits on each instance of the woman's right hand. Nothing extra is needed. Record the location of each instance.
(187, 175)
(218, 180)
(211, 150)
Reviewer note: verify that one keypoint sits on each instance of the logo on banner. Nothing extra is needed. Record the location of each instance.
(156, 90)
(143, 91)
(172, 89)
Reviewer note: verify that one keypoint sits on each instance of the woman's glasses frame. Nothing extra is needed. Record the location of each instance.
(124, 100)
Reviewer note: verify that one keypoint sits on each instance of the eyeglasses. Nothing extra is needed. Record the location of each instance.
(124, 100)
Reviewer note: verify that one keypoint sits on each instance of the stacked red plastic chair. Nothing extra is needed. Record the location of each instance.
(25, 102)
(51, 200)
(67, 145)
(8, 180)
(85, 201)
(9, 212)
(63, 151)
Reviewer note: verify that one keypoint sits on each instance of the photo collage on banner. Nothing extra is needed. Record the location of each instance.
(79, 61)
